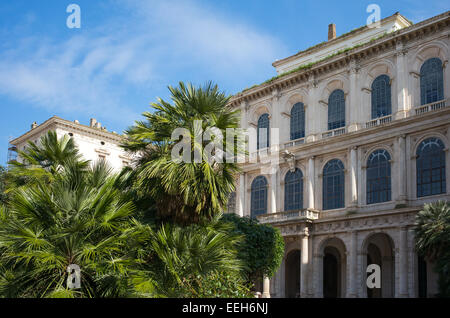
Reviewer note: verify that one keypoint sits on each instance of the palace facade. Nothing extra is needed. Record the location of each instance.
(94, 142)
(363, 136)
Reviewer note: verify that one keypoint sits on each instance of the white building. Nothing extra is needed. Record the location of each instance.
(94, 141)
(364, 133)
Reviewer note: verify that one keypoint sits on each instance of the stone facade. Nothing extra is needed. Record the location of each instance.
(330, 249)
(94, 141)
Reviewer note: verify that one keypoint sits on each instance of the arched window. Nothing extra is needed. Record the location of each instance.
(293, 190)
(378, 177)
(336, 110)
(259, 196)
(430, 167)
(297, 121)
(263, 135)
(381, 97)
(333, 185)
(431, 81)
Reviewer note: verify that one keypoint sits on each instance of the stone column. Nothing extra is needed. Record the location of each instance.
(411, 264)
(352, 107)
(312, 125)
(353, 184)
(304, 261)
(403, 262)
(353, 266)
(311, 183)
(401, 169)
(318, 275)
(402, 83)
(266, 288)
(241, 197)
(273, 192)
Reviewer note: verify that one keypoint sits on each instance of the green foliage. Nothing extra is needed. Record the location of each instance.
(3, 185)
(61, 210)
(433, 240)
(311, 64)
(183, 192)
(262, 249)
(224, 285)
(76, 219)
(180, 260)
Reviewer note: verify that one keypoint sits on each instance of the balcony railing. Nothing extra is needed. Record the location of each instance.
(305, 214)
(292, 143)
(334, 132)
(379, 121)
(430, 107)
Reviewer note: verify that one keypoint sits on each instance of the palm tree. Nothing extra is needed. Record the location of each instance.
(433, 240)
(80, 217)
(43, 159)
(183, 192)
(72, 220)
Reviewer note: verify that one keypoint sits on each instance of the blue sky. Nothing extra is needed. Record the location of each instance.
(127, 52)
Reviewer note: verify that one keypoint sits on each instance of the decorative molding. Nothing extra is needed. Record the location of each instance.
(102, 151)
(415, 74)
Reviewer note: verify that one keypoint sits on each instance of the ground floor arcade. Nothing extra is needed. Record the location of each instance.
(330, 259)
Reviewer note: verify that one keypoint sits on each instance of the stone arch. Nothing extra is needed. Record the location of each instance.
(319, 184)
(258, 111)
(373, 148)
(283, 172)
(332, 267)
(414, 148)
(437, 49)
(372, 72)
(292, 273)
(434, 49)
(379, 248)
(336, 82)
(286, 104)
(427, 135)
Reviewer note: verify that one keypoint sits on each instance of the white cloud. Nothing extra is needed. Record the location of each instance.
(96, 73)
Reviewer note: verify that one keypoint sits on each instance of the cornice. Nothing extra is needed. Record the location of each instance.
(57, 122)
(365, 51)
(344, 37)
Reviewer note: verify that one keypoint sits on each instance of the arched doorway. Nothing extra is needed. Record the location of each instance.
(379, 250)
(422, 277)
(331, 273)
(292, 278)
(333, 263)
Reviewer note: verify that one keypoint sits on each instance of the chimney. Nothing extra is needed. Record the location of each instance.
(331, 31)
(93, 122)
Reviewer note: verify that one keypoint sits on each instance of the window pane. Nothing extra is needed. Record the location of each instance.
(336, 110)
(430, 167)
(298, 121)
(293, 191)
(431, 81)
(258, 196)
(333, 185)
(263, 131)
(378, 177)
(381, 97)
